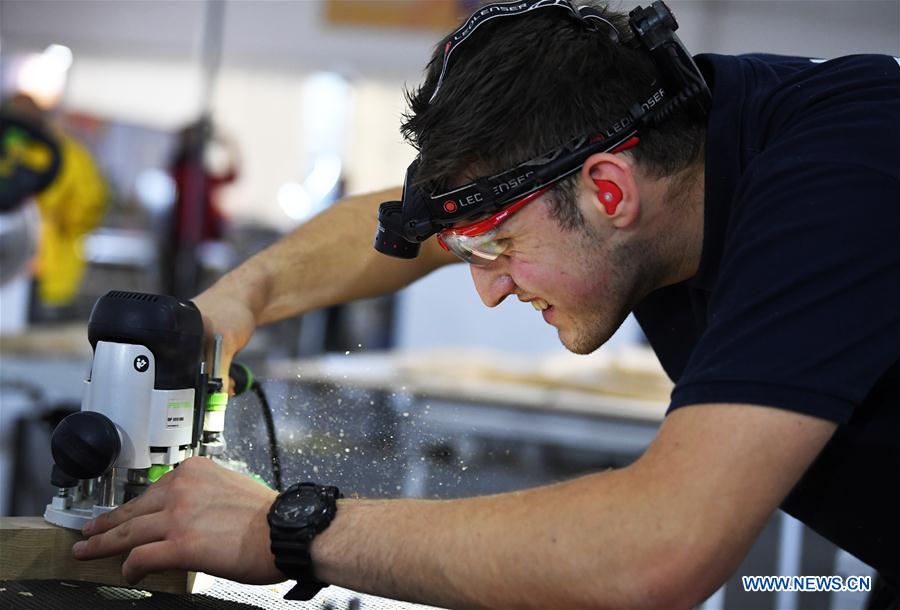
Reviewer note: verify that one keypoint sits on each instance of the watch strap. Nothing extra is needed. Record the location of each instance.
(290, 548)
(305, 591)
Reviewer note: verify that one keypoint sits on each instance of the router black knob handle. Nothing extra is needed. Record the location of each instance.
(85, 445)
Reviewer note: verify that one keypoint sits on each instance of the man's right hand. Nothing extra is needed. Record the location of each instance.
(229, 317)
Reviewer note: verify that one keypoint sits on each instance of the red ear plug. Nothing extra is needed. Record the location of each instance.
(609, 195)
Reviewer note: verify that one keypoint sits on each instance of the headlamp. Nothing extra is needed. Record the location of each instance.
(404, 225)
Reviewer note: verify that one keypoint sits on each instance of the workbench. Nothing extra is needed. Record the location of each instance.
(506, 380)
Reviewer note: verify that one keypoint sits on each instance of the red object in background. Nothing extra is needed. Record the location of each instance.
(195, 186)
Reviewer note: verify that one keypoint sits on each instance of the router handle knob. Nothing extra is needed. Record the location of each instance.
(85, 445)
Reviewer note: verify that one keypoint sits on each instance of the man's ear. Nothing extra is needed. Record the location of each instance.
(611, 182)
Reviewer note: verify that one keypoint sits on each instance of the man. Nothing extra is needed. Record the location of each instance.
(758, 248)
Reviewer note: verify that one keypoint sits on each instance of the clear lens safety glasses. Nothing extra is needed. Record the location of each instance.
(478, 243)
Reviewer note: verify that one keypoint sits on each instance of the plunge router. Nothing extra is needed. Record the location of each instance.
(149, 403)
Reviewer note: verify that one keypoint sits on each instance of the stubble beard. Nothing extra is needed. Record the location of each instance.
(589, 333)
(627, 277)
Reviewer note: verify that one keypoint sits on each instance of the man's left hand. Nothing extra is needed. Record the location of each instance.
(200, 517)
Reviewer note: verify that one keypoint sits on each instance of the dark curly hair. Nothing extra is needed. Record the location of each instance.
(522, 86)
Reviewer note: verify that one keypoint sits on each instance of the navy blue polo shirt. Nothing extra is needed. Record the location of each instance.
(796, 304)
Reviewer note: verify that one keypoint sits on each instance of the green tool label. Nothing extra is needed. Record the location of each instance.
(179, 413)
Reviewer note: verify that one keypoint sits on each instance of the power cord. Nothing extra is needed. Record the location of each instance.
(274, 452)
(243, 380)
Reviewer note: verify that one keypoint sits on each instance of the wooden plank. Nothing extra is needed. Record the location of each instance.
(56, 341)
(642, 393)
(32, 549)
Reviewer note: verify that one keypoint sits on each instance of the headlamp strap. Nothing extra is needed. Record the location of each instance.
(588, 16)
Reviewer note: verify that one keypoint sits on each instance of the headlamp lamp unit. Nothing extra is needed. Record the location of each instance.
(404, 225)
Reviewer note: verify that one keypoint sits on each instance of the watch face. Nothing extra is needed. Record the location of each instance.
(299, 508)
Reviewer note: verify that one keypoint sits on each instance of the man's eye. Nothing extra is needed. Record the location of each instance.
(494, 246)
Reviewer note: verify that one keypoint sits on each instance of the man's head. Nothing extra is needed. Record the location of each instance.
(523, 86)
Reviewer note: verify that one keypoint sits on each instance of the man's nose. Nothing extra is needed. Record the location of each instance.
(493, 282)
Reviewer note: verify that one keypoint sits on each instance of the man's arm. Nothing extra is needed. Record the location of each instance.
(328, 260)
(661, 533)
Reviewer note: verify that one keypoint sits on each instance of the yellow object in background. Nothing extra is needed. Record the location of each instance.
(70, 208)
(22, 150)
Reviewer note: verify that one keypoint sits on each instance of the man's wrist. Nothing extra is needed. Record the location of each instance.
(297, 516)
(321, 549)
(249, 284)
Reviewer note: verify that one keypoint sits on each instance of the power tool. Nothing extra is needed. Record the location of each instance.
(149, 403)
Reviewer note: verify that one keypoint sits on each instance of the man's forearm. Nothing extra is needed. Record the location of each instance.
(664, 532)
(328, 260)
(579, 544)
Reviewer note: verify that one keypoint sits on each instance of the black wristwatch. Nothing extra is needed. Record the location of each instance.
(297, 516)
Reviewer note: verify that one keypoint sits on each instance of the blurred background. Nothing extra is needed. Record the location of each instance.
(197, 133)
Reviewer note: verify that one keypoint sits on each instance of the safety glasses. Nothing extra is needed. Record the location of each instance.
(479, 243)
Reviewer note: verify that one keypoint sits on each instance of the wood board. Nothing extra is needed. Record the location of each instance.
(32, 549)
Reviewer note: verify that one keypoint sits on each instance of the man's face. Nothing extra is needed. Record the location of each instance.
(584, 281)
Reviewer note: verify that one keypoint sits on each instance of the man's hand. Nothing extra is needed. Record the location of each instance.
(199, 517)
(229, 317)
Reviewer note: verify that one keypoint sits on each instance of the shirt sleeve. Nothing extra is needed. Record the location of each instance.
(805, 314)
